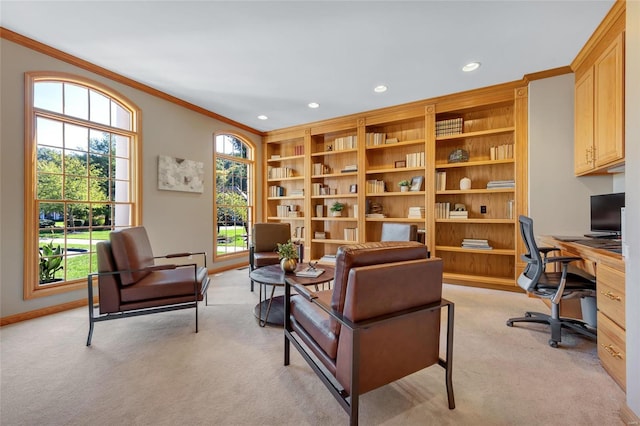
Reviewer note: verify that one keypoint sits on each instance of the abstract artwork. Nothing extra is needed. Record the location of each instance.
(178, 174)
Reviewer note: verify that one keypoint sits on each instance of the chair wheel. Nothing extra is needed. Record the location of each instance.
(509, 323)
(553, 343)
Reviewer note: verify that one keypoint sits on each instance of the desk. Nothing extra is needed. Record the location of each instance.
(608, 268)
(271, 309)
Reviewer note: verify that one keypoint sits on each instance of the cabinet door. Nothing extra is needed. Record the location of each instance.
(609, 104)
(583, 138)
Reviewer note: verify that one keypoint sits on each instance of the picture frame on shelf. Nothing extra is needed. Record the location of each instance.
(353, 188)
(416, 183)
(400, 164)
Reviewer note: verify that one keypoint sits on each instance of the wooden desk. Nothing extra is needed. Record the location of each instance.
(608, 268)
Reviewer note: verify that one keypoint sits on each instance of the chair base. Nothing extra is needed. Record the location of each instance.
(556, 325)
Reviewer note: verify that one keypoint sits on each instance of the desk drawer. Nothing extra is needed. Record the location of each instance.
(612, 349)
(611, 294)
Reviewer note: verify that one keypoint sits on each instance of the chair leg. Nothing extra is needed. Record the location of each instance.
(90, 332)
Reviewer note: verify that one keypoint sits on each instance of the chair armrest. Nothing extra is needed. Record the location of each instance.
(304, 292)
(563, 259)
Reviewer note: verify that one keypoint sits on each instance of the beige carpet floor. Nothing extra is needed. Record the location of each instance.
(154, 370)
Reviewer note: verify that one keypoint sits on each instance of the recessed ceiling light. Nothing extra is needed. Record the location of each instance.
(262, 117)
(380, 89)
(471, 66)
(314, 105)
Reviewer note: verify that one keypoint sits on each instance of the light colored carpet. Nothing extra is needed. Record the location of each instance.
(155, 370)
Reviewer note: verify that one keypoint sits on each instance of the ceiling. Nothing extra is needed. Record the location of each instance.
(242, 59)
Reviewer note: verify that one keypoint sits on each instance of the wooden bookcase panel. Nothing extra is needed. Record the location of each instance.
(479, 265)
(500, 236)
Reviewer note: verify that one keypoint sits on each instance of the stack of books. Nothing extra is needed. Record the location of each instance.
(351, 234)
(375, 186)
(328, 259)
(442, 210)
(318, 169)
(415, 159)
(416, 213)
(320, 235)
(441, 181)
(347, 142)
(350, 168)
(372, 139)
(297, 192)
(276, 191)
(452, 126)
(494, 184)
(476, 244)
(458, 214)
(501, 152)
(309, 272)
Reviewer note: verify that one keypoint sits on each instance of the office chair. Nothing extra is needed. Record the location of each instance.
(554, 286)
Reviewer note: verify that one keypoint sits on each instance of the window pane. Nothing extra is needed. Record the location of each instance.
(77, 216)
(99, 108)
(99, 213)
(99, 165)
(76, 101)
(121, 168)
(76, 137)
(52, 212)
(77, 265)
(48, 95)
(120, 117)
(122, 146)
(76, 188)
(49, 187)
(48, 132)
(98, 189)
(121, 215)
(99, 142)
(49, 160)
(75, 163)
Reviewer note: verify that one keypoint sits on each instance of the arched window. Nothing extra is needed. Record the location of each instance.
(234, 194)
(81, 177)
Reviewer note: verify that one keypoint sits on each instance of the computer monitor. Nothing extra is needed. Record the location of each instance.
(605, 214)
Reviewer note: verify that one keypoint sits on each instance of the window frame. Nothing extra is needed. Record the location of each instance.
(32, 287)
(250, 161)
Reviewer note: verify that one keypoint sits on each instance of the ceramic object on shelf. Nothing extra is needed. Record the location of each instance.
(465, 183)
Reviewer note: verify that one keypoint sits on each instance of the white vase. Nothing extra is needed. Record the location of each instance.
(404, 188)
(465, 183)
(336, 214)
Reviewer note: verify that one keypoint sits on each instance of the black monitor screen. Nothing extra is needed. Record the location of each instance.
(605, 212)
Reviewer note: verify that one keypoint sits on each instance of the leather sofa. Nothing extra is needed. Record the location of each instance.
(380, 321)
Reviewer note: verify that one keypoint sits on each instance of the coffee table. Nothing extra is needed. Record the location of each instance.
(270, 310)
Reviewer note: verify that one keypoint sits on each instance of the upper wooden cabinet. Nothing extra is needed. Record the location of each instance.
(599, 100)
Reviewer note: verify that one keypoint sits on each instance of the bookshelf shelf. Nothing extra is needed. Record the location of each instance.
(474, 163)
(395, 194)
(330, 153)
(475, 191)
(397, 144)
(476, 134)
(499, 252)
(395, 219)
(315, 197)
(300, 178)
(395, 170)
(473, 220)
(286, 197)
(281, 218)
(334, 219)
(288, 158)
(334, 175)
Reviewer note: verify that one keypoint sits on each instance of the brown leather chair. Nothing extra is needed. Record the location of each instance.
(379, 323)
(264, 242)
(131, 284)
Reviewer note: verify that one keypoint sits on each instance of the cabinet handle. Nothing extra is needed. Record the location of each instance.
(586, 155)
(611, 351)
(611, 296)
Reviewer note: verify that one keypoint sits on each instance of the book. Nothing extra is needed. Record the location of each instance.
(328, 258)
(309, 272)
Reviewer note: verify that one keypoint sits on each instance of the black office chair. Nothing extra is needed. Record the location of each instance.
(551, 285)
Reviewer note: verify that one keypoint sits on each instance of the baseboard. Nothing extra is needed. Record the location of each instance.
(629, 417)
(24, 316)
(43, 311)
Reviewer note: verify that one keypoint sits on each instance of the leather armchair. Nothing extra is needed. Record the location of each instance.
(264, 242)
(379, 322)
(131, 284)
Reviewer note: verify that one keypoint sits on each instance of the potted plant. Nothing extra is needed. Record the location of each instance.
(288, 255)
(50, 262)
(404, 185)
(336, 209)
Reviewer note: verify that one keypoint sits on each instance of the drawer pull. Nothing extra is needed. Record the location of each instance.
(611, 296)
(611, 351)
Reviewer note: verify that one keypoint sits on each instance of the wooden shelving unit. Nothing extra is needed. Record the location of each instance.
(400, 143)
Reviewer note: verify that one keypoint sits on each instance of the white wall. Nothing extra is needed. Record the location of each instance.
(558, 200)
(176, 221)
(632, 200)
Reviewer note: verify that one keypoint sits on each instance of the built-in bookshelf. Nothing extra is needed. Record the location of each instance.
(476, 184)
(359, 161)
(285, 183)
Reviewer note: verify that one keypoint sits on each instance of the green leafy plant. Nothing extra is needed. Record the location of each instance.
(404, 183)
(337, 207)
(288, 250)
(50, 261)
